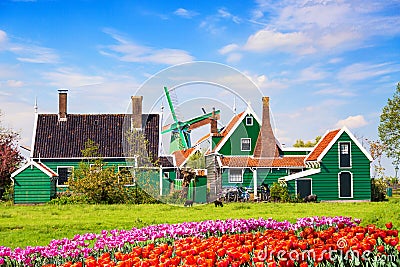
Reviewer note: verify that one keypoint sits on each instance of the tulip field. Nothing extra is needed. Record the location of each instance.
(310, 241)
(253, 239)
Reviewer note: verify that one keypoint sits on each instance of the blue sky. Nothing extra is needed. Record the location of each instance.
(323, 63)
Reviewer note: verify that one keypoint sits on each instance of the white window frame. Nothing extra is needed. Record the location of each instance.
(61, 167)
(251, 120)
(349, 152)
(241, 144)
(235, 181)
(351, 184)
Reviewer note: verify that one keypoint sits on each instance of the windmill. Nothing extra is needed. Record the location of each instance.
(180, 130)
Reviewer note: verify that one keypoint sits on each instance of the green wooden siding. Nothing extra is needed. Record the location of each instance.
(326, 183)
(33, 186)
(267, 175)
(233, 144)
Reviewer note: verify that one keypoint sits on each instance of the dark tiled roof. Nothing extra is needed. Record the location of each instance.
(66, 139)
(279, 162)
(166, 161)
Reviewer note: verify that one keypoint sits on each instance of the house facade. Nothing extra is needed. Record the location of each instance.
(243, 153)
(59, 139)
(246, 153)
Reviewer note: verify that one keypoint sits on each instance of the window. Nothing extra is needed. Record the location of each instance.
(344, 155)
(63, 174)
(249, 121)
(345, 185)
(235, 176)
(245, 144)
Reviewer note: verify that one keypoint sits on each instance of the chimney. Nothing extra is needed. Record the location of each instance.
(266, 144)
(137, 112)
(213, 123)
(62, 104)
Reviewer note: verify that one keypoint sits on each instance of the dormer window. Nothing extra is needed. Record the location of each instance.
(249, 121)
(245, 144)
(344, 155)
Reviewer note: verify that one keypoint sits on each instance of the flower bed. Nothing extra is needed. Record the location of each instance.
(315, 241)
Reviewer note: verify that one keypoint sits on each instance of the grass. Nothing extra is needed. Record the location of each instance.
(22, 226)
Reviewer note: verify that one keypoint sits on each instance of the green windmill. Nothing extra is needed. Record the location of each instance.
(180, 130)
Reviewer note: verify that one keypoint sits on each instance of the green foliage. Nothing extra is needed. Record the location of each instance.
(378, 190)
(8, 194)
(95, 183)
(389, 127)
(301, 143)
(376, 149)
(10, 156)
(197, 160)
(279, 192)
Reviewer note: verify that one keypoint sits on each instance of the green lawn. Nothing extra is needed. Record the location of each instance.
(37, 225)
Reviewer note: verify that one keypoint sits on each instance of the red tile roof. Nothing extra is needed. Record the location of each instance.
(182, 155)
(322, 145)
(281, 162)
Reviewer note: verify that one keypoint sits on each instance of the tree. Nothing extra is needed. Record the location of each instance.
(99, 183)
(10, 156)
(301, 143)
(389, 127)
(376, 149)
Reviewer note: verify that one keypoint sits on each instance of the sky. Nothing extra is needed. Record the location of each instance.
(324, 64)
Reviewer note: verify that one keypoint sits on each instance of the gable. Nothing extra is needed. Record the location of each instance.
(228, 140)
(331, 139)
(38, 165)
(356, 153)
(66, 139)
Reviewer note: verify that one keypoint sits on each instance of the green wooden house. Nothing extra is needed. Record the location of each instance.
(246, 153)
(34, 183)
(58, 141)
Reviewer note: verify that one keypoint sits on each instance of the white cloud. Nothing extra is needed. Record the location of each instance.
(228, 48)
(311, 74)
(335, 92)
(14, 83)
(352, 122)
(305, 27)
(223, 13)
(184, 13)
(130, 52)
(362, 71)
(68, 78)
(27, 52)
(267, 40)
(234, 57)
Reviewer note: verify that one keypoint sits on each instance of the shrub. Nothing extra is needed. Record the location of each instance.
(279, 192)
(378, 190)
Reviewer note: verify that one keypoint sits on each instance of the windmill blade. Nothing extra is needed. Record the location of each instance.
(202, 122)
(166, 128)
(171, 107)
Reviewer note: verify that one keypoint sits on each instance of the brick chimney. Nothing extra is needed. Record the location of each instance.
(137, 112)
(213, 123)
(266, 144)
(62, 104)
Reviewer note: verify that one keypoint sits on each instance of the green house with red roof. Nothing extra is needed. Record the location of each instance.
(246, 153)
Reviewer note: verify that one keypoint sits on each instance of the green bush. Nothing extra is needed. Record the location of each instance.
(279, 192)
(378, 190)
